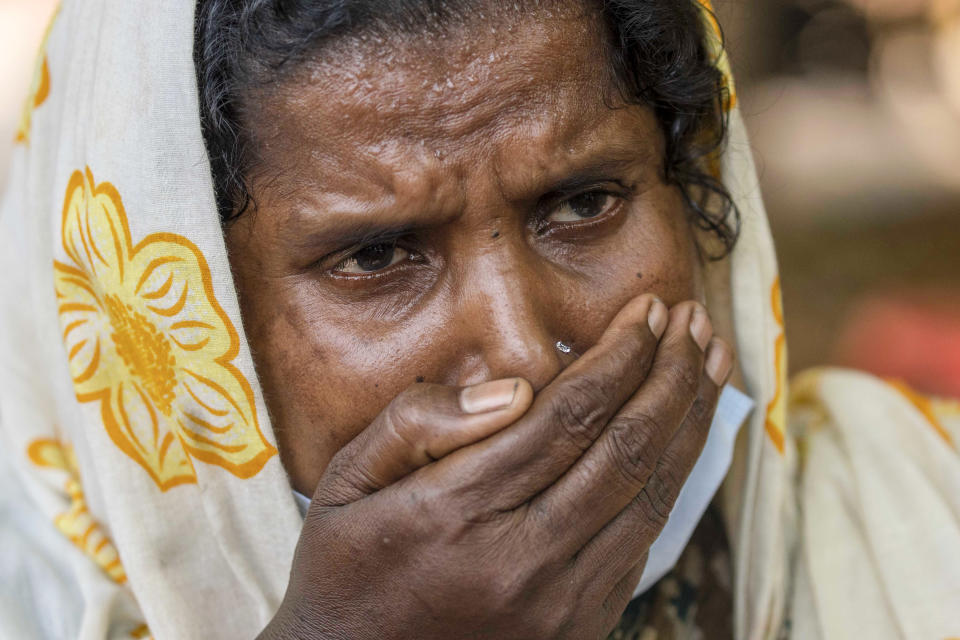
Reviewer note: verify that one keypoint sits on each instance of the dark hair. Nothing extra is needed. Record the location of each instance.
(658, 53)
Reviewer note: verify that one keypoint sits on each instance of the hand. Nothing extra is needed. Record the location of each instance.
(449, 518)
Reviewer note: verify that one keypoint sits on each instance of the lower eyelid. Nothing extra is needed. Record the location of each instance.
(619, 203)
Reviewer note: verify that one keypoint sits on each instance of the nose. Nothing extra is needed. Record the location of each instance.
(509, 314)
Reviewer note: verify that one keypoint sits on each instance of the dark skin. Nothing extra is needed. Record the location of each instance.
(448, 216)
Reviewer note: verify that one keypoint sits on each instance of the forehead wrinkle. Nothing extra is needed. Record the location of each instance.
(449, 120)
(368, 123)
(414, 197)
(440, 89)
(617, 139)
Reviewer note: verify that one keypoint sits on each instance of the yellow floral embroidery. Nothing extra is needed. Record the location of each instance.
(39, 87)
(147, 339)
(76, 523)
(776, 408)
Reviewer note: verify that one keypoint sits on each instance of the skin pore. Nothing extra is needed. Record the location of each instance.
(445, 210)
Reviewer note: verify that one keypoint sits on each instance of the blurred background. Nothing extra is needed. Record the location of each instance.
(22, 23)
(854, 111)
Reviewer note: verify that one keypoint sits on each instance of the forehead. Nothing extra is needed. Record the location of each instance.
(457, 91)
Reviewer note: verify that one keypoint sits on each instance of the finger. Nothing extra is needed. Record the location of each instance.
(423, 424)
(613, 602)
(622, 593)
(628, 537)
(566, 417)
(608, 476)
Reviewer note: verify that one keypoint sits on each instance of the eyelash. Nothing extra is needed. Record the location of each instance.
(397, 241)
(404, 242)
(621, 197)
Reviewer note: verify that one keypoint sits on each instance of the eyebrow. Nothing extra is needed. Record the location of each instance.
(343, 227)
(592, 170)
(360, 232)
(589, 176)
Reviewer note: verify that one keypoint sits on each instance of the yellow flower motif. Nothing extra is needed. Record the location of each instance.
(39, 87)
(147, 339)
(76, 523)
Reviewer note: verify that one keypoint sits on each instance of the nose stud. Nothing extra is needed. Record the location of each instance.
(563, 348)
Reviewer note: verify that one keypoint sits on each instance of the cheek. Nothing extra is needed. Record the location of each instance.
(325, 374)
(654, 252)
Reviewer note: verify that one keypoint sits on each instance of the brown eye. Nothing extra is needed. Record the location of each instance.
(372, 258)
(582, 207)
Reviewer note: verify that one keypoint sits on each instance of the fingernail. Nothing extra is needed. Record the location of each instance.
(700, 328)
(657, 318)
(488, 396)
(719, 363)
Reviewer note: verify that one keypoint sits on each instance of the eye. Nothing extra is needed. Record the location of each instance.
(372, 258)
(582, 207)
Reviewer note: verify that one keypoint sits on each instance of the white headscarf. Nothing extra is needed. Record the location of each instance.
(131, 417)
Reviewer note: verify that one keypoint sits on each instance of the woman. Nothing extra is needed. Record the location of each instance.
(470, 247)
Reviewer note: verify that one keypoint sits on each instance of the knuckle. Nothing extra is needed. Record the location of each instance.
(472, 523)
(472, 501)
(671, 473)
(581, 412)
(553, 517)
(357, 474)
(663, 498)
(404, 418)
(655, 508)
(658, 497)
(456, 529)
(502, 587)
(338, 466)
(343, 478)
(425, 501)
(629, 447)
(435, 518)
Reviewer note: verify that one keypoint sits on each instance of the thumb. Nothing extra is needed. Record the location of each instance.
(423, 424)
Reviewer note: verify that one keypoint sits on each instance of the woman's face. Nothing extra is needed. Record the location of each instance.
(445, 210)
